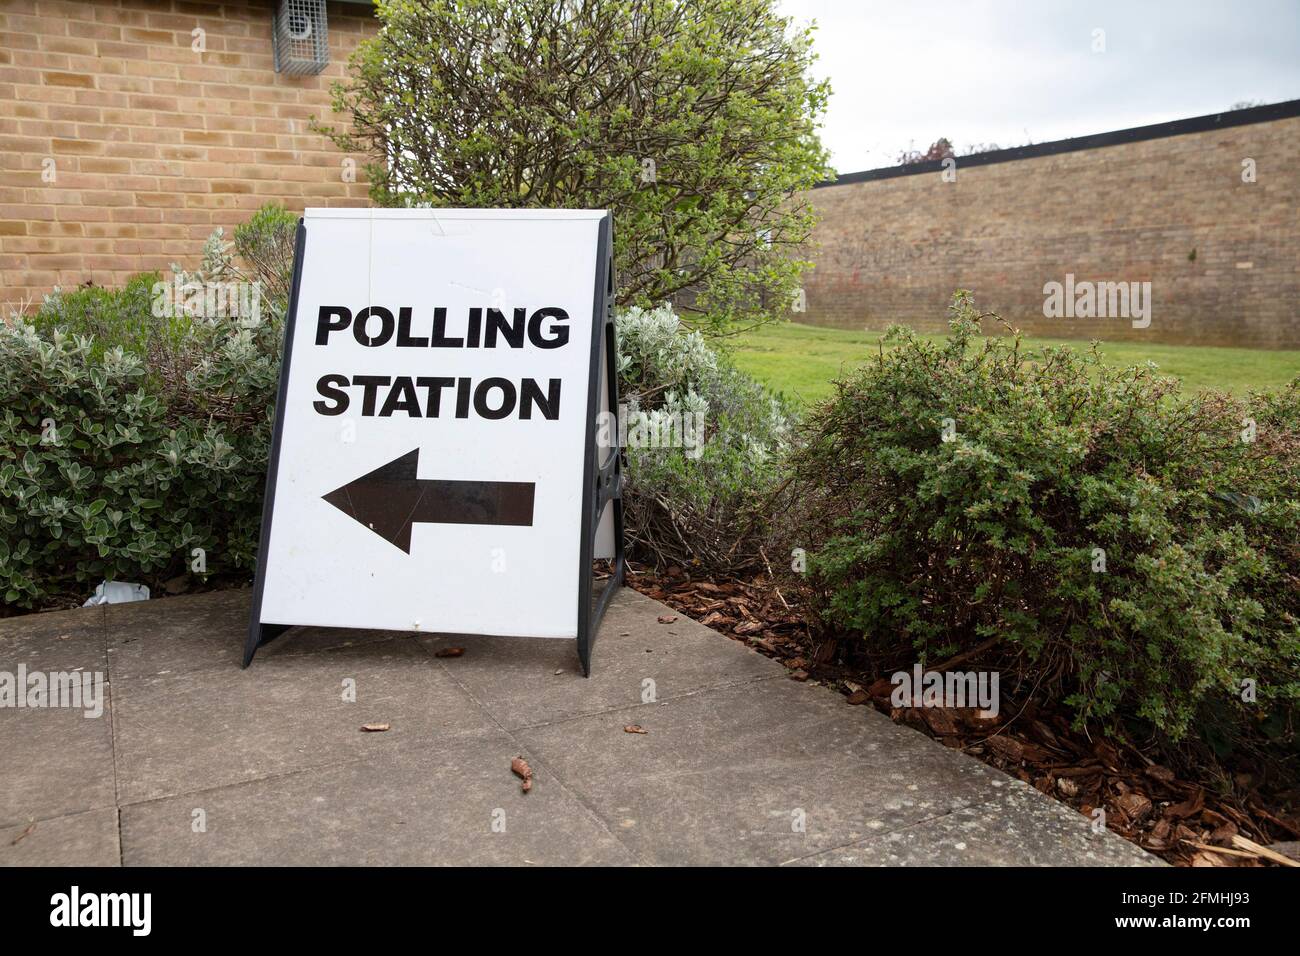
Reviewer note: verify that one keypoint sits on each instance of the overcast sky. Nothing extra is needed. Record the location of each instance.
(998, 71)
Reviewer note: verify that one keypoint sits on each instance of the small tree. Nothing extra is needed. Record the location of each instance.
(941, 148)
(695, 121)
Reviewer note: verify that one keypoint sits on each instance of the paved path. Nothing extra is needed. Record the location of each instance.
(738, 765)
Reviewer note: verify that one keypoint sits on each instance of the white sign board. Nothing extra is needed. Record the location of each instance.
(433, 466)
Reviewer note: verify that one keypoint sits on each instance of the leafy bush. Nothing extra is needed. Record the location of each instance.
(696, 123)
(1119, 545)
(99, 478)
(137, 318)
(128, 439)
(113, 317)
(704, 446)
(118, 458)
(266, 244)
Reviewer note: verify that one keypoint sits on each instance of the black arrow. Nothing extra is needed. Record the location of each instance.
(390, 499)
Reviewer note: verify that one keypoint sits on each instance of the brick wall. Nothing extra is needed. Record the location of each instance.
(151, 144)
(1222, 255)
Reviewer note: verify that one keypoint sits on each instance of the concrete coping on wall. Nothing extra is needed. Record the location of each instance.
(1135, 134)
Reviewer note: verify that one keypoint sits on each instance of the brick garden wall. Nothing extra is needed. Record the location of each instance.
(151, 144)
(1222, 255)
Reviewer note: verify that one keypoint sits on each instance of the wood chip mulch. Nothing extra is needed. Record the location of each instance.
(1146, 803)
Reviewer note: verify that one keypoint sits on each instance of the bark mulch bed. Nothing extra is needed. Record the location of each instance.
(1146, 803)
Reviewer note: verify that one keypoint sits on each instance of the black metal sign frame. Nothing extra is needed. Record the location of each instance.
(602, 480)
(259, 633)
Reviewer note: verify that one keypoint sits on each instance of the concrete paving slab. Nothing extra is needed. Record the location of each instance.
(524, 682)
(738, 765)
(195, 731)
(1020, 827)
(157, 638)
(177, 634)
(54, 641)
(55, 761)
(79, 839)
(757, 773)
(455, 806)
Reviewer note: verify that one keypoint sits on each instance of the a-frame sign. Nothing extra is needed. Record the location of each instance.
(446, 449)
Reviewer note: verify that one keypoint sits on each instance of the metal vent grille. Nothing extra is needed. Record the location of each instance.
(301, 37)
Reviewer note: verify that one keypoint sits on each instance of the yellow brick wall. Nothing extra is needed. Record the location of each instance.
(152, 145)
(1222, 255)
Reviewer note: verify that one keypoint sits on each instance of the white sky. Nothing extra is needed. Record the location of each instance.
(904, 73)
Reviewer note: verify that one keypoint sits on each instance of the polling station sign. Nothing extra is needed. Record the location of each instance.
(437, 464)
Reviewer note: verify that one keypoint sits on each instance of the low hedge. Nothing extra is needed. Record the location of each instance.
(128, 438)
(100, 478)
(1123, 548)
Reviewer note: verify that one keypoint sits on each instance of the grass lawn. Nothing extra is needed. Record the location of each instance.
(802, 360)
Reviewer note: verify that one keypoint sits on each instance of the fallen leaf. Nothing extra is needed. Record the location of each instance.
(800, 676)
(524, 772)
(859, 697)
(375, 728)
(18, 839)
(449, 652)
(666, 619)
(633, 729)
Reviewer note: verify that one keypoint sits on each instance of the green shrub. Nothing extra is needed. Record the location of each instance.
(113, 317)
(128, 438)
(694, 500)
(117, 460)
(266, 244)
(927, 547)
(100, 479)
(696, 124)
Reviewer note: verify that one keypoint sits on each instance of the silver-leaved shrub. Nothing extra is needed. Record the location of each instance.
(705, 444)
(134, 434)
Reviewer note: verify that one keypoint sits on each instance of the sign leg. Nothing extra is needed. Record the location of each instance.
(259, 634)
